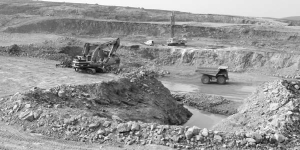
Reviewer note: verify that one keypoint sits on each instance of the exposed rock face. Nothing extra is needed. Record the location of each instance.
(273, 108)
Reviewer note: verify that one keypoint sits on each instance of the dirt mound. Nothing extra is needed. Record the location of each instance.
(130, 99)
(101, 112)
(273, 108)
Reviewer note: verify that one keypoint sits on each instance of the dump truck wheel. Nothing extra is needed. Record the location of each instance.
(205, 79)
(221, 79)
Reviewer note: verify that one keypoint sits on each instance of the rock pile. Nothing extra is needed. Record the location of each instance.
(75, 119)
(273, 109)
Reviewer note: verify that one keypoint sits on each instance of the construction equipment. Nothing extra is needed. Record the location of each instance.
(100, 60)
(173, 41)
(149, 43)
(208, 74)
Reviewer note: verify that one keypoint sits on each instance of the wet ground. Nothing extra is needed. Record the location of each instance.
(237, 89)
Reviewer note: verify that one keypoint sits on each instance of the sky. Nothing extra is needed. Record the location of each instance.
(251, 8)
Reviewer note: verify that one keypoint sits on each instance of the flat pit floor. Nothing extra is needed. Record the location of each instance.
(18, 74)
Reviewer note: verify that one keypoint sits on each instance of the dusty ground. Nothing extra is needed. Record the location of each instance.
(20, 73)
(239, 86)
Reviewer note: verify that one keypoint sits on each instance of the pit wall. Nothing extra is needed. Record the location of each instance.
(119, 28)
(237, 60)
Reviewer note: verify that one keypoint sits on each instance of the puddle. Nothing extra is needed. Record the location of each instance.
(202, 119)
(199, 118)
(180, 87)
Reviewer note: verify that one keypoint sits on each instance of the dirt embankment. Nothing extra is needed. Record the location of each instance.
(56, 9)
(119, 28)
(238, 59)
(273, 108)
(130, 99)
(97, 113)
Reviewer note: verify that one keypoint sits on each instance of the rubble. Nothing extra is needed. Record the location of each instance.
(272, 110)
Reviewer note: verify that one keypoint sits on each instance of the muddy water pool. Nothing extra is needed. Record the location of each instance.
(203, 119)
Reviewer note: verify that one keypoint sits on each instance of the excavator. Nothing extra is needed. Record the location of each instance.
(100, 60)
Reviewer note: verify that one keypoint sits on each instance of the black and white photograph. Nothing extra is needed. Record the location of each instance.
(149, 75)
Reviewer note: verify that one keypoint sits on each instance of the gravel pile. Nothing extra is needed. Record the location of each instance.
(57, 115)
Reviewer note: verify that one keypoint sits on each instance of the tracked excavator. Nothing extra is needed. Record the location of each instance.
(100, 60)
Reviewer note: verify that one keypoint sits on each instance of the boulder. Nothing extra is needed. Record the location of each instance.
(256, 136)
(274, 106)
(101, 132)
(106, 124)
(61, 93)
(135, 127)
(37, 114)
(94, 125)
(153, 126)
(188, 134)
(192, 131)
(218, 138)
(250, 140)
(279, 137)
(123, 127)
(27, 115)
(204, 132)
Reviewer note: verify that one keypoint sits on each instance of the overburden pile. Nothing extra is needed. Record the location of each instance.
(274, 109)
(136, 108)
(57, 110)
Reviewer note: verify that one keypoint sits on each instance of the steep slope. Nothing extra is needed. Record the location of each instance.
(273, 108)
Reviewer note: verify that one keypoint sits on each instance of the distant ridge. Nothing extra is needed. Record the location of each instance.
(296, 18)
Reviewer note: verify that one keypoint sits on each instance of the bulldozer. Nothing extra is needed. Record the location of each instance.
(98, 61)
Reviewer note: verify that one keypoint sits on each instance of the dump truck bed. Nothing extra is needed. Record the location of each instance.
(208, 71)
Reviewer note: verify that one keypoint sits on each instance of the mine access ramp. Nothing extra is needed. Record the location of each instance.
(219, 74)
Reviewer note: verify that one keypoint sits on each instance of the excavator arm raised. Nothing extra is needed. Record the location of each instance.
(99, 54)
